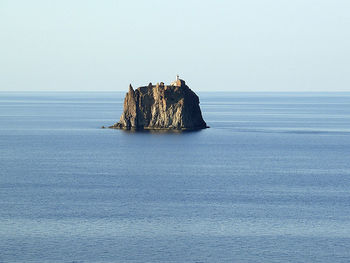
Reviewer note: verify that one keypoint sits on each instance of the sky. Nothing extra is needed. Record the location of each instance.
(245, 45)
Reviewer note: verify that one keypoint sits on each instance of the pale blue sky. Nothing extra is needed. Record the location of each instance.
(246, 45)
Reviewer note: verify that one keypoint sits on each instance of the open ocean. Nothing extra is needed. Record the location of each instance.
(268, 182)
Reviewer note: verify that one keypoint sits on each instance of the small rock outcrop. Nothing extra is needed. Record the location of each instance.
(161, 106)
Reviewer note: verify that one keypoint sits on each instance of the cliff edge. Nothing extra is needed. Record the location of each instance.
(160, 106)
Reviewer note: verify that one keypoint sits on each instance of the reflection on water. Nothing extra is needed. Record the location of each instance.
(158, 131)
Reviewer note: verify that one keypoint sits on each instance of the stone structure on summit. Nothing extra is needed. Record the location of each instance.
(169, 107)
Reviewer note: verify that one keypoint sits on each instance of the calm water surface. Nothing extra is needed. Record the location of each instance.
(268, 182)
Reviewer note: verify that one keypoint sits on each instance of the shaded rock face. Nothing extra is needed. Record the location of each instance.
(161, 107)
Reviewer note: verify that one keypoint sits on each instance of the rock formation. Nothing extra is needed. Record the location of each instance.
(161, 106)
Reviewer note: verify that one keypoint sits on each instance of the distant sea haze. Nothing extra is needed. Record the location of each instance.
(268, 182)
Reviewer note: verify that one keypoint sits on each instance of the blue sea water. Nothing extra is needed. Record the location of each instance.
(268, 182)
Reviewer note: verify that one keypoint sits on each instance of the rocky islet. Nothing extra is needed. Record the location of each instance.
(160, 106)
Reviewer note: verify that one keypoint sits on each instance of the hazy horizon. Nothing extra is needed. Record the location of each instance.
(229, 46)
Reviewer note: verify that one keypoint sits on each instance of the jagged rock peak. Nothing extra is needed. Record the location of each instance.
(161, 106)
(130, 88)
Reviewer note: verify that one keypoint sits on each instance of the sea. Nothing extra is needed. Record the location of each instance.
(269, 181)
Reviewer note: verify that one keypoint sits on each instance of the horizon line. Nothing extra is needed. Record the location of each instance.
(210, 91)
